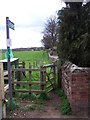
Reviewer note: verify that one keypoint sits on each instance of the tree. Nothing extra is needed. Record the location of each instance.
(50, 33)
(74, 33)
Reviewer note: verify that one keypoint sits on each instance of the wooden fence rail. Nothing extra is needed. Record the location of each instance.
(41, 82)
(47, 79)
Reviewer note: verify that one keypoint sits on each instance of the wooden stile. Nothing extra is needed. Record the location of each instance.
(6, 87)
(2, 102)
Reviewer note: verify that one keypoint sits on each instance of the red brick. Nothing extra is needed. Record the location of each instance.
(77, 88)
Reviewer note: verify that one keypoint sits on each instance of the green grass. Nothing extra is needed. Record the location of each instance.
(13, 106)
(43, 97)
(64, 105)
(32, 107)
(26, 96)
(36, 58)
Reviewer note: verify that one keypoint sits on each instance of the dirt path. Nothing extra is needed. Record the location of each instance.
(49, 109)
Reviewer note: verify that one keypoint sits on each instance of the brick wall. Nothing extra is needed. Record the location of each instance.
(76, 84)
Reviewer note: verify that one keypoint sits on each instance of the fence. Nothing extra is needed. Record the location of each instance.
(45, 82)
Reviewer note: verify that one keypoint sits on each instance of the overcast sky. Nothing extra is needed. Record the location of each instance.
(29, 17)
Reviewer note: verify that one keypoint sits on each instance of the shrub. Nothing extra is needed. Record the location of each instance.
(59, 92)
(32, 107)
(43, 96)
(64, 105)
(12, 106)
(27, 96)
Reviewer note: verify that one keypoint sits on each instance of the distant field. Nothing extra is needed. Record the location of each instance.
(0, 54)
(36, 58)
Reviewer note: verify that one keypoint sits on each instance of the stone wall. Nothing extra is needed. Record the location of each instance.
(76, 84)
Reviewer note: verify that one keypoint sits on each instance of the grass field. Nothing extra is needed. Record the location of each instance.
(36, 58)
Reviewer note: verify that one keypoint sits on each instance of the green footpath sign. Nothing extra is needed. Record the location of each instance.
(9, 54)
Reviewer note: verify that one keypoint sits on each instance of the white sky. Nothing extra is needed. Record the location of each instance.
(29, 17)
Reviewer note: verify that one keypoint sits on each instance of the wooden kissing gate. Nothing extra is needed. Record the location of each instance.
(47, 80)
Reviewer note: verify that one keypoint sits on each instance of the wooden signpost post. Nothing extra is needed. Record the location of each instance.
(9, 24)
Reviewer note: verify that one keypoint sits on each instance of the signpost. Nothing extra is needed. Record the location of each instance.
(9, 24)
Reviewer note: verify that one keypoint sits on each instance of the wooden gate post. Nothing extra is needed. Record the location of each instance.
(59, 74)
(13, 78)
(30, 77)
(2, 103)
(54, 72)
(43, 77)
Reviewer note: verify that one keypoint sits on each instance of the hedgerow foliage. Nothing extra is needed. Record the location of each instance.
(74, 33)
